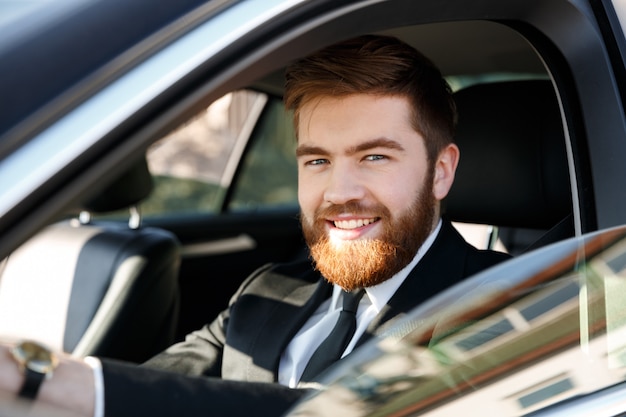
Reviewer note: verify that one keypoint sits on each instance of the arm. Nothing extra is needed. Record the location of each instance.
(202, 350)
(71, 386)
(131, 390)
(160, 393)
(200, 353)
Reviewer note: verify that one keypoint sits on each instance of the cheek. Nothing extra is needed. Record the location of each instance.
(397, 197)
(307, 195)
(400, 193)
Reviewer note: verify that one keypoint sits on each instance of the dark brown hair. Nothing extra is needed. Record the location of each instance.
(381, 65)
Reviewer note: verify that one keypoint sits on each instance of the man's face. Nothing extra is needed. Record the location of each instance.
(365, 187)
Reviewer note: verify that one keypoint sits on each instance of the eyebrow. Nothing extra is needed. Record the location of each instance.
(304, 150)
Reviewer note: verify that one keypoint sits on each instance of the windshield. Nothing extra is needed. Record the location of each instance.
(532, 332)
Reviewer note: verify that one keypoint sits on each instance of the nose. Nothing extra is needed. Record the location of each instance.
(344, 185)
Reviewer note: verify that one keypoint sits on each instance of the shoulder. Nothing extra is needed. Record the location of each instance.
(278, 277)
(475, 259)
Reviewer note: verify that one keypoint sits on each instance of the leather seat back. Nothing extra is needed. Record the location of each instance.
(100, 289)
(513, 171)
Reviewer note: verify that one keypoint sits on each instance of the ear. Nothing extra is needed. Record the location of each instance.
(445, 167)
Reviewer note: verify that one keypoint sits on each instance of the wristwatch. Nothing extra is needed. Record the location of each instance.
(37, 362)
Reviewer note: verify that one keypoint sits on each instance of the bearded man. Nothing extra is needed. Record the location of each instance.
(375, 124)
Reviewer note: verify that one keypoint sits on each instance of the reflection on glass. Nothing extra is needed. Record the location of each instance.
(526, 334)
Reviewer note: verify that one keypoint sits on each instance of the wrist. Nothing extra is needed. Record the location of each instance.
(36, 363)
(71, 388)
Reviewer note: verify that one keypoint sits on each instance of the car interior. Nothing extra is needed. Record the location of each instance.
(513, 172)
(108, 289)
(513, 177)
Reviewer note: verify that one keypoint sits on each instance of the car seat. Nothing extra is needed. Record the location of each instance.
(96, 288)
(513, 172)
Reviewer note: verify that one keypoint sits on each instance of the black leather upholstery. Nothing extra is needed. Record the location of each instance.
(513, 172)
(95, 289)
(129, 189)
(513, 169)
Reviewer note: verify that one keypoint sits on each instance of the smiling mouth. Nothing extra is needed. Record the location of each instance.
(354, 224)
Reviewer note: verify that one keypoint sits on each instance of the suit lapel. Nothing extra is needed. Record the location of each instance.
(300, 298)
(434, 273)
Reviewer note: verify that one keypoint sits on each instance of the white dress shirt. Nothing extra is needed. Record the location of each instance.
(96, 366)
(299, 351)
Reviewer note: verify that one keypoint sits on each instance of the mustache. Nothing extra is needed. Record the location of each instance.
(351, 207)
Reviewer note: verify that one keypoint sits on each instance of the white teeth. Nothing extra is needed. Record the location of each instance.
(353, 224)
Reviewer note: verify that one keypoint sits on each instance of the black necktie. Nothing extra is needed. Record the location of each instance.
(333, 346)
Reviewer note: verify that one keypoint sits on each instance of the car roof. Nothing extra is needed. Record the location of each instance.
(465, 48)
(47, 47)
(51, 50)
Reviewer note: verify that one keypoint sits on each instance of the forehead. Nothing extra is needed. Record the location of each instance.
(347, 121)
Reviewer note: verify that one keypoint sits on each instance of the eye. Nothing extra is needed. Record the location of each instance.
(375, 157)
(315, 162)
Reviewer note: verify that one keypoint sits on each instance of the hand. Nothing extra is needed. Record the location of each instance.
(71, 386)
(11, 379)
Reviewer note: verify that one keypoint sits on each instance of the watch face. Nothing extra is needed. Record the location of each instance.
(35, 357)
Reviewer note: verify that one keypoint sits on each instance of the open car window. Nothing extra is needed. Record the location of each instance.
(534, 332)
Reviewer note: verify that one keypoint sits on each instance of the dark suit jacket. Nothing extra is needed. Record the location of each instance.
(245, 342)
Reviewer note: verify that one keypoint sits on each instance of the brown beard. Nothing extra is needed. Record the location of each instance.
(368, 262)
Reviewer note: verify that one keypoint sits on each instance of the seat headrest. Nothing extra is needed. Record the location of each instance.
(127, 190)
(513, 167)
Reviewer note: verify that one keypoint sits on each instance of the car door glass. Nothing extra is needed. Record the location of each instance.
(196, 165)
(268, 173)
(532, 333)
